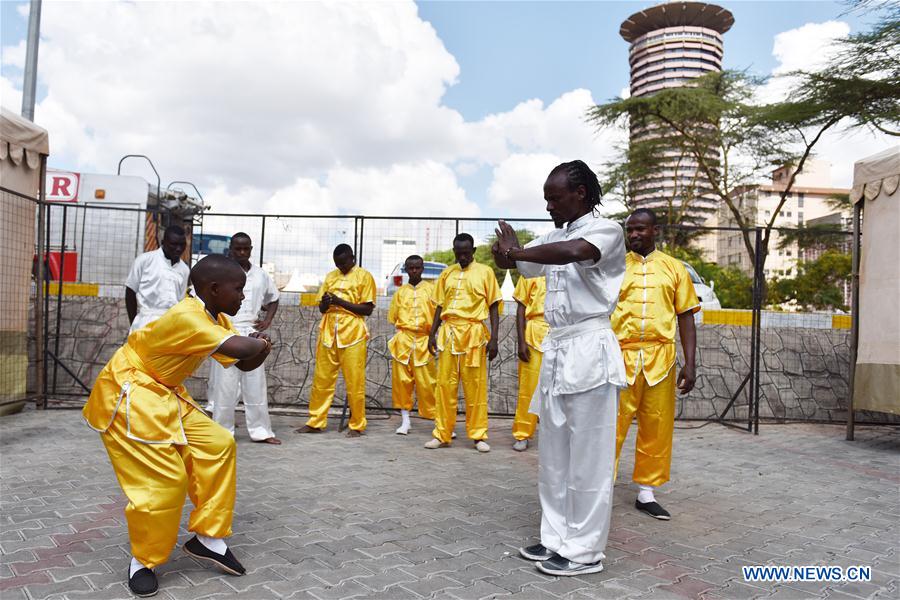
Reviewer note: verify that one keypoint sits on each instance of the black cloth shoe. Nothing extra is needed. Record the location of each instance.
(143, 583)
(653, 509)
(563, 567)
(227, 562)
(536, 552)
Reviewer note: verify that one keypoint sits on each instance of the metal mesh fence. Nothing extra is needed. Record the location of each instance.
(17, 236)
(801, 346)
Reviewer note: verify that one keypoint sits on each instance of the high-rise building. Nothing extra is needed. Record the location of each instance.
(811, 202)
(671, 44)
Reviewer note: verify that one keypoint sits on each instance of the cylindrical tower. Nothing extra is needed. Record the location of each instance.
(671, 44)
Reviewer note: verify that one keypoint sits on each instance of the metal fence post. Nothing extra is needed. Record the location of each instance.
(59, 294)
(45, 282)
(262, 242)
(362, 236)
(756, 336)
(39, 291)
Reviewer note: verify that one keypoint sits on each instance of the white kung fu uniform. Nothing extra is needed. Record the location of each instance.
(227, 386)
(158, 284)
(578, 391)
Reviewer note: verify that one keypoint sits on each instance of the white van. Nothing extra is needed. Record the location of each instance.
(398, 276)
(706, 293)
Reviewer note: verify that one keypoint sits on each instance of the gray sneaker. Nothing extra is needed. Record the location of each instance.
(537, 552)
(520, 445)
(563, 567)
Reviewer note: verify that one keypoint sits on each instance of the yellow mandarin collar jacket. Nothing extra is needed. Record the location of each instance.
(412, 313)
(147, 373)
(656, 289)
(338, 325)
(530, 293)
(465, 297)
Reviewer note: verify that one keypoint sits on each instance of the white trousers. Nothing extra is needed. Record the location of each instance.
(576, 457)
(226, 386)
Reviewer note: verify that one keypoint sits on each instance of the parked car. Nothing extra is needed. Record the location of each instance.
(706, 293)
(398, 276)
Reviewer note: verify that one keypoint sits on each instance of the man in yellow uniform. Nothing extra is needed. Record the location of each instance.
(466, 294)
(160, 443)
(346, 297)
(412, 313)
(656, 296)
(531, 328)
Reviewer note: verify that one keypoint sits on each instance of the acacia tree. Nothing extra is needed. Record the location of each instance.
(679, 189)
(735, 141)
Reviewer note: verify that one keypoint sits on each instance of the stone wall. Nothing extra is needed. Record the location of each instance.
(804, 371)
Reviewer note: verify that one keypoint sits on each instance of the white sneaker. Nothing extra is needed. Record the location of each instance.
(453, 435)
(403, 429)
(434, 443)
(520, 445)
(482, 446)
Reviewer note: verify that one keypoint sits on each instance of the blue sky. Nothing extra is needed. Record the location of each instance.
(477, 97)
(509, 51)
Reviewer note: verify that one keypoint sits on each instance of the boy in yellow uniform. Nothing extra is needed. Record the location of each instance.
(657, 296)
(160, 443)
(346, 297)
(412, 312)
(531, 328)
(466, 294)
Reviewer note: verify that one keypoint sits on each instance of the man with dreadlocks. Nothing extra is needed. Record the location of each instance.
(582, 369)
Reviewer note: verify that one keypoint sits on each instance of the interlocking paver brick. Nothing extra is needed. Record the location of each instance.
(384, 518)
(432, 585)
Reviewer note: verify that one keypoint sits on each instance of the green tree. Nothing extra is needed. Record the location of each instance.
(733, 287)
(483, 254)
(735, 142)
(818, 285)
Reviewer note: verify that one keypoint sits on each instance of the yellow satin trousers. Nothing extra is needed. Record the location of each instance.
(155, 478)
(525, 423)
(351, 361)
(655, 410)
(452, 371)
(406, 378)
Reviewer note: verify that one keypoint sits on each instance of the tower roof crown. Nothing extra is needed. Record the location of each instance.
(676, 14)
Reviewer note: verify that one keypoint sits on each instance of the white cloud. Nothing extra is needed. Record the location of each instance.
(809, 48)
(295, 107)
(518, 185)
(806, 48)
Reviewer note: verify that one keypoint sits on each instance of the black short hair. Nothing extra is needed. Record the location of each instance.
(645, 211)
(578, 173)
(174, 230)
(240, 235)
(464, 237)
(342, 249)
(214, 267)
(413, 257)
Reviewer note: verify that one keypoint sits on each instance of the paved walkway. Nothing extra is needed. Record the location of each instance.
(326, 517)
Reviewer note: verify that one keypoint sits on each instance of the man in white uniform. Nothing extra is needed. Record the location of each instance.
(582, 370)
(158, 280)
(226, 386)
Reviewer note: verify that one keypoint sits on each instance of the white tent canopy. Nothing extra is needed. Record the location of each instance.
(22, 143)
(877, 369)
(23, 149)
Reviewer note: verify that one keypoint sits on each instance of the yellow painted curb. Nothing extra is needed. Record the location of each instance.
(740, 318)
(74, 289)
(841, 322)
(308, 299)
